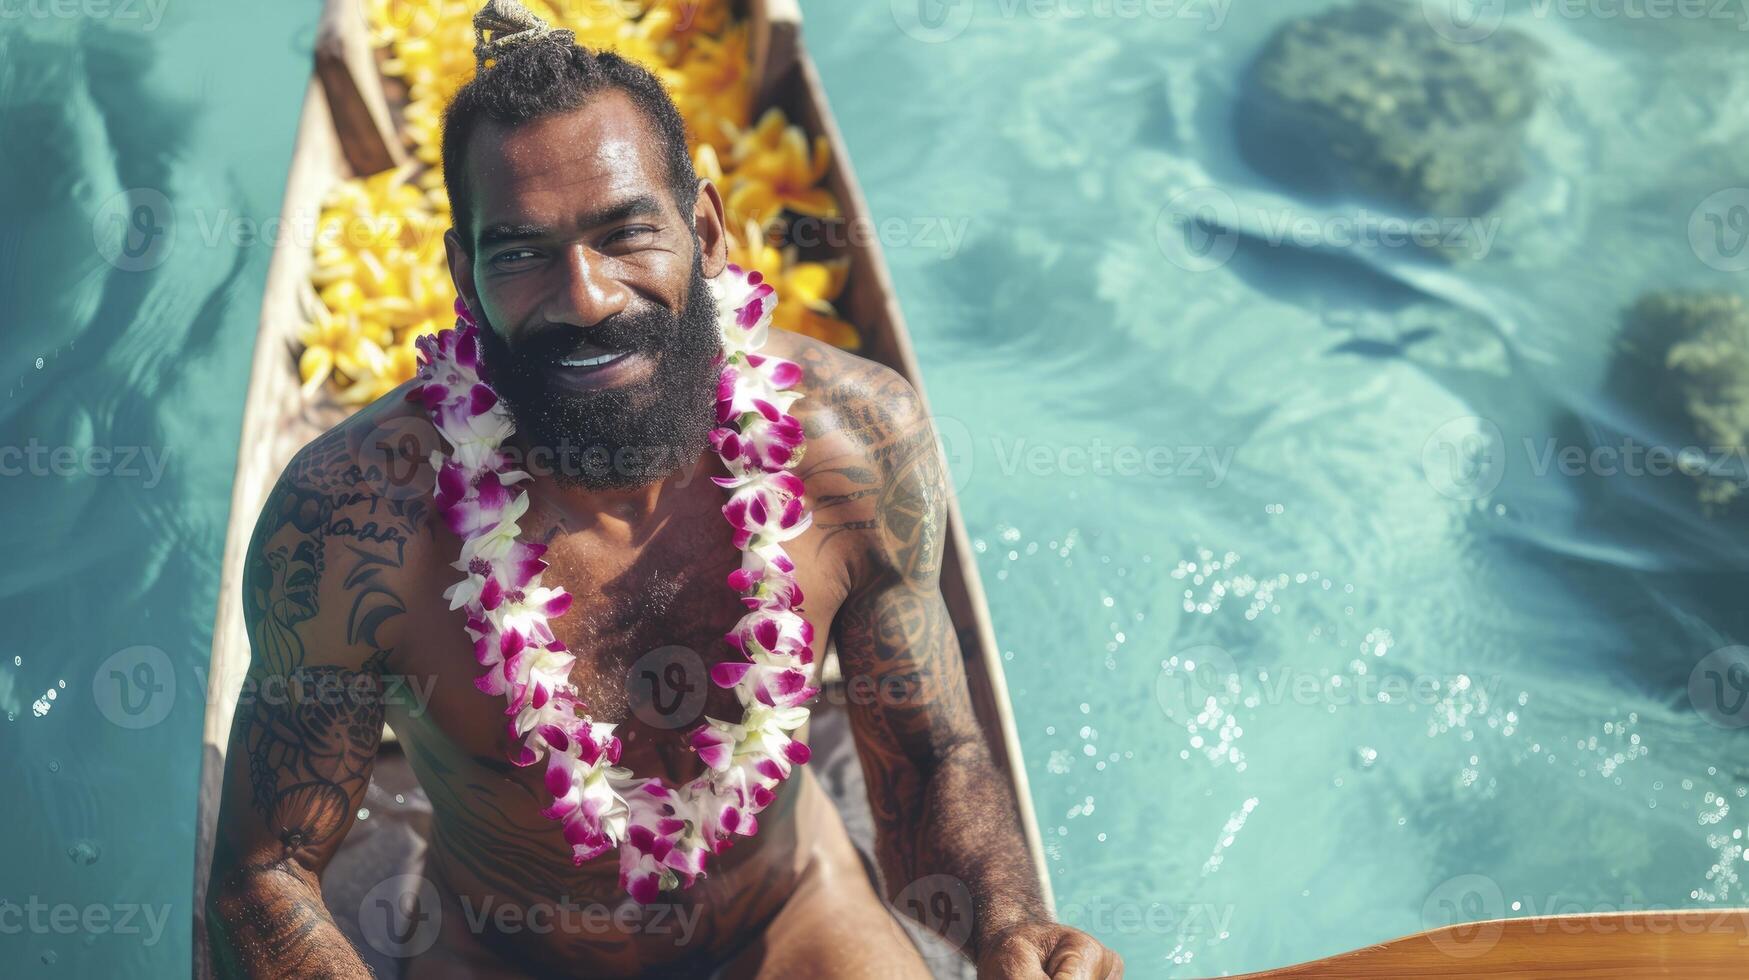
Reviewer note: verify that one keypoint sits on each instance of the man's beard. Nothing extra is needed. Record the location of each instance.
(625, 436)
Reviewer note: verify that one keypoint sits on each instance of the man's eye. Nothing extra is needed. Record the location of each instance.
(512, 257)
(630, 233)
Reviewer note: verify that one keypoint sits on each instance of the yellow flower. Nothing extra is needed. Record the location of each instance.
(772, 170)
(673, 25)
(711, 87)
(805, 290)
(430, 42)
(381, 278)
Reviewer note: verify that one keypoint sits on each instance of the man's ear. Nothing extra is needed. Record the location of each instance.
(461, 271)
(712, 229)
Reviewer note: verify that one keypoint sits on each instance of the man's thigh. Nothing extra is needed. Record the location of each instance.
(835, 926)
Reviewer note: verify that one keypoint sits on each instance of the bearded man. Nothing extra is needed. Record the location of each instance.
(583, 248)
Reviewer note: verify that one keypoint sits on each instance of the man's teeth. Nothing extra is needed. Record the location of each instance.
(580, 362)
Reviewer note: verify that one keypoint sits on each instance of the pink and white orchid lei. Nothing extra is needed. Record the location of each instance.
(663, 833)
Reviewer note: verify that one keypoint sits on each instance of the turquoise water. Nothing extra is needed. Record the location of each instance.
(1568, 770)
(112, 558)
(1289, 527)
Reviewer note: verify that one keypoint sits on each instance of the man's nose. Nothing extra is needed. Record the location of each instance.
(587, 295)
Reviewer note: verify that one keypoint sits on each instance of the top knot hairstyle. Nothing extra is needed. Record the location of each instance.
(528, 70)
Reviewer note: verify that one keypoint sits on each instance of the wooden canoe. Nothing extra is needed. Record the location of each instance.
(346, 131)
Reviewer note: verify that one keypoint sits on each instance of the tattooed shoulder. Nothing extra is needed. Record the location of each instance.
(331, 545)
(873, 464)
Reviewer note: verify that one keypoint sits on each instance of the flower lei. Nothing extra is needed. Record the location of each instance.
(663, 833)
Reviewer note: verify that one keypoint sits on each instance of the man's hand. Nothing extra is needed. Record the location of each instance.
(1037, 950)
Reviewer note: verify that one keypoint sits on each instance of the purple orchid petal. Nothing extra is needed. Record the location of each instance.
(729, 673)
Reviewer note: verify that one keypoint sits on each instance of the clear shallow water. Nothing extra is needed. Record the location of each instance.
(1572, 771)
(112, 558)
(1538, 750)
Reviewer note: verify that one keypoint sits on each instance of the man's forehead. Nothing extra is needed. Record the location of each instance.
(568, 162)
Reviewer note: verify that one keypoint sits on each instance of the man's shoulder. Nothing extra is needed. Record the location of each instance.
(377, 456)
(366, 480)
(873, 465)
(346, 522)
(850, 405)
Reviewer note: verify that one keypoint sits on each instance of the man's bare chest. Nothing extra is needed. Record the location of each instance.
(646, 624)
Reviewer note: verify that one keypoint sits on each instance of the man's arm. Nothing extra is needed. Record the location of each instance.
(319, 605)
(941, 806)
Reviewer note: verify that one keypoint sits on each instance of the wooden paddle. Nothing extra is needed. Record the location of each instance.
(1687, 944)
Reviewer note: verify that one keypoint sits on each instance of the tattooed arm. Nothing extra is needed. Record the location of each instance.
(320, 609)
(941, 806)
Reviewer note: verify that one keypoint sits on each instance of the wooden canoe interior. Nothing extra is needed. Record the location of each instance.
(346, 129)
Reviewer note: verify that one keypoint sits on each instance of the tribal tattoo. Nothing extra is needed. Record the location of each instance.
(310, 715)
(940, 805)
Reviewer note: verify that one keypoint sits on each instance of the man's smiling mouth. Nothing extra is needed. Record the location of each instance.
(590, 369)
(589, 362)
